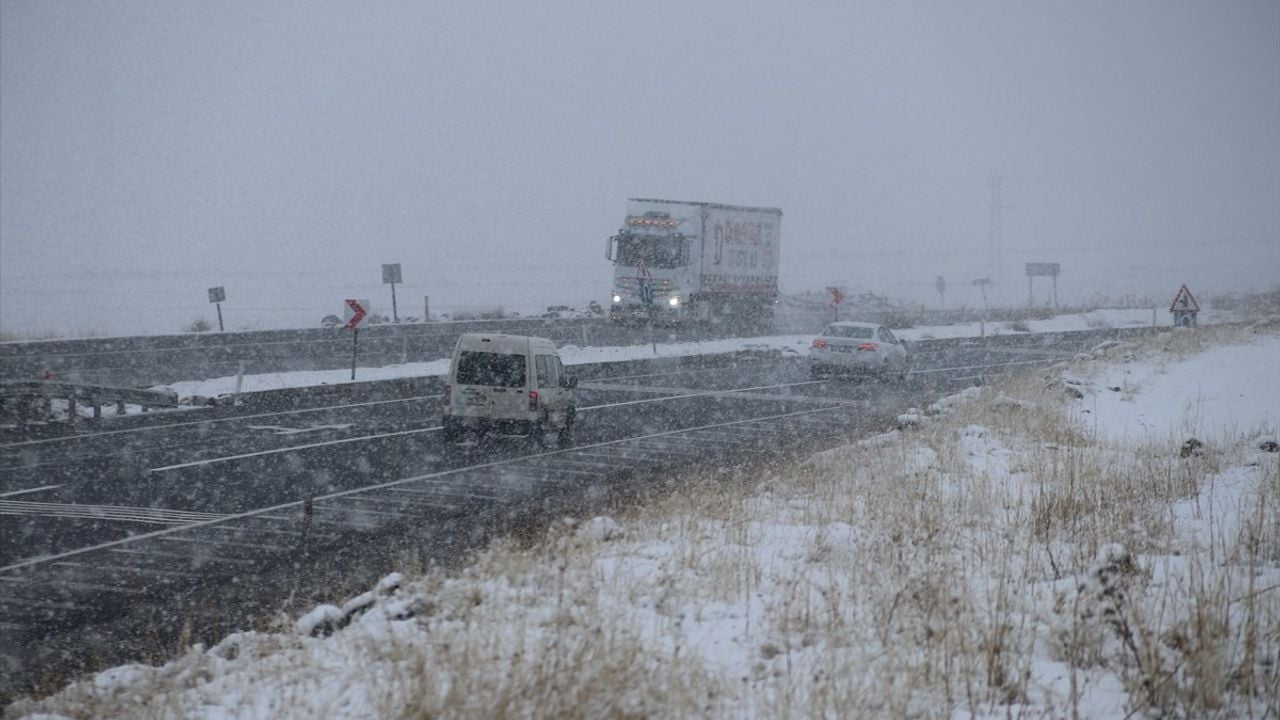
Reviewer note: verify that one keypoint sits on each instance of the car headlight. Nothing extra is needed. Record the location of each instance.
(674, 302)
(617, 298)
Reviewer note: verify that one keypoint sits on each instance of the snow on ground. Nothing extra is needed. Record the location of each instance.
(573, 355)
(1008, 555)
(1223, 389)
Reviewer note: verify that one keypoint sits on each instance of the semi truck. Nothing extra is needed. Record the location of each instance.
(678, 261)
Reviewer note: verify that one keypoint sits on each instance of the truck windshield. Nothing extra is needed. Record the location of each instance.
(657, 251)
(492, 369)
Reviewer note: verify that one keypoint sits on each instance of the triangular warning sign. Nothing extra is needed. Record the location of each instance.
(1183, 302)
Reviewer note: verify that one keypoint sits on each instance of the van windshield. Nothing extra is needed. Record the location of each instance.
(492, 369)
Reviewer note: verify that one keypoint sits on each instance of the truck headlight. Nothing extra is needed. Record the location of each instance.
(617, 298)
(674, 302)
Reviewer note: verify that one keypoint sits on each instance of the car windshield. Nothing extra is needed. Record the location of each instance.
(850, 331)
(493, 369)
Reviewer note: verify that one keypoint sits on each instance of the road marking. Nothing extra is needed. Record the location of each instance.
(655, 389)
(13, 493)
(711, 393)
(291, 448)
(370, 488)
(281, 430)
(122, 513)
(215, 420)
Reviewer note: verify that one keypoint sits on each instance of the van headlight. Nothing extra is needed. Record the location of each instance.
(674, 302)
(617, 298)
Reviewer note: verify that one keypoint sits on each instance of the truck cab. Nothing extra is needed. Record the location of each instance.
(652, 270)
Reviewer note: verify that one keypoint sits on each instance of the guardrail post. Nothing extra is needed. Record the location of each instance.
(120, 407)
(71, 408)
(97, 406)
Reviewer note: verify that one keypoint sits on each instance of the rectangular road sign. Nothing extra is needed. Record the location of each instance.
(391, 274)
(1043, 269)
(217, 294)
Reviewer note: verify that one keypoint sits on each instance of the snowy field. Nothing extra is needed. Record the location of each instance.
(1052, 547)
(573, 355)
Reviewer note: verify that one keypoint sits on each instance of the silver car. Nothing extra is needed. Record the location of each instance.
(858, 347)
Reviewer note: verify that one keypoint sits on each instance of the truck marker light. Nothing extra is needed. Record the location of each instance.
(533, 399)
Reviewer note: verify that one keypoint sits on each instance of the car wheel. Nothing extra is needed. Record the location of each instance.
(565, 436)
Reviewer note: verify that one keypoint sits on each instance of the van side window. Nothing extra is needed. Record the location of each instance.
(548, 370)
(544, 373)
(559, 368)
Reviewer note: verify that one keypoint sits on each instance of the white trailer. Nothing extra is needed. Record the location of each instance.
(677, 261)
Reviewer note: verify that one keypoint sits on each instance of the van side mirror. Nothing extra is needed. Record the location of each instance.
(569, 381)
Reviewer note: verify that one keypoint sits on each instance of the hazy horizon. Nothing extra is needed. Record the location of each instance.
(151, 150)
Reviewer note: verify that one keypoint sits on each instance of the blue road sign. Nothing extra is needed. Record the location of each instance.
(646, 293)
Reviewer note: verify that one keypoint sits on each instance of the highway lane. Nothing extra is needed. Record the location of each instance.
(227, 467)
(112, 452)
(233, 462)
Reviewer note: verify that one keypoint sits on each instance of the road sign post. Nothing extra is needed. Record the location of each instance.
(391, 276)
(216, 296)
(357, 314)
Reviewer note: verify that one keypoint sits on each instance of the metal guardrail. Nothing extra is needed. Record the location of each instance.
(23, 399)
(161, 359)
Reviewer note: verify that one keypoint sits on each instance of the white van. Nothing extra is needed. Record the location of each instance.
(508, 384)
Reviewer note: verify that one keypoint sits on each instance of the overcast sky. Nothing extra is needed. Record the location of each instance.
(284, 150)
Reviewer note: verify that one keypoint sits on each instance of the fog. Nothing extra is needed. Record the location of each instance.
(151, 150)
